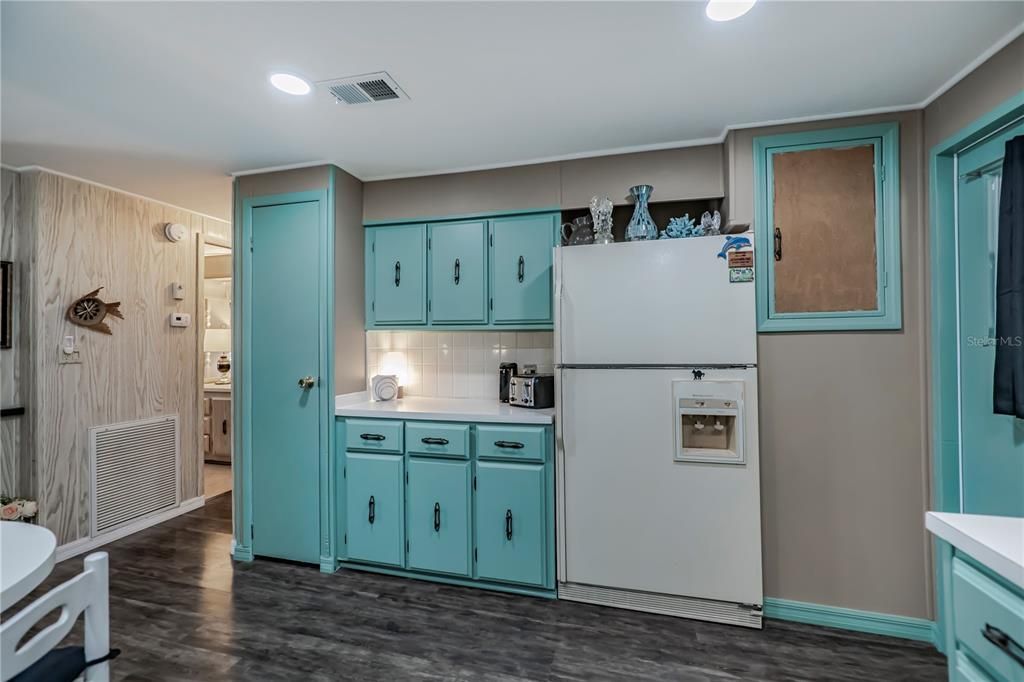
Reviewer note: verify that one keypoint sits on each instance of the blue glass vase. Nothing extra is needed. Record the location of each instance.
(641, 225)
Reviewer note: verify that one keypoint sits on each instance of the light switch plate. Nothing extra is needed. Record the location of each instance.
(180, 319)
(72, 358)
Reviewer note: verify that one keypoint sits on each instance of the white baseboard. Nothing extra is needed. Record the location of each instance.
(83, 545)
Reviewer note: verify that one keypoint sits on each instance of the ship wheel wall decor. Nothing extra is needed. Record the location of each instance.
(89, 311)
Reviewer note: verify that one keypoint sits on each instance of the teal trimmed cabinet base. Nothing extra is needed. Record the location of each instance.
(904, 627)
(459, 503)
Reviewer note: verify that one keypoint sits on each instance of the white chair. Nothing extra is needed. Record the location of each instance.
(38, 658)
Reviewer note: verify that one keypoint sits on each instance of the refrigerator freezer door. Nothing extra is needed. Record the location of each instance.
(633, 516)
(665, 302)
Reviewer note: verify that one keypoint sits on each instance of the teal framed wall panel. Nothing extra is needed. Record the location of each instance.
(242, 316)
(942, 238)
(888, 315)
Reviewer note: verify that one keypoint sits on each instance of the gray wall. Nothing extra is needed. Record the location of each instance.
(844, 449)
(689, 173)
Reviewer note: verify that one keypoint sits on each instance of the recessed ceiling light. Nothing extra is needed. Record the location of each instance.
(293, 85)
(727, 10)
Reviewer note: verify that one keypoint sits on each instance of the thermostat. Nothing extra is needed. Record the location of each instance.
(180, 319)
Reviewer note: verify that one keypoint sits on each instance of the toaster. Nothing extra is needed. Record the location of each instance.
(532, 390)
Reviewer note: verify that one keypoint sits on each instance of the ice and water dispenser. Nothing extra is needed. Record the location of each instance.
(709, 421)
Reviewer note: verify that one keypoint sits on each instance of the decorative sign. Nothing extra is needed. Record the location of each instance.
(741, 275)
(89, 311)
(741, 259)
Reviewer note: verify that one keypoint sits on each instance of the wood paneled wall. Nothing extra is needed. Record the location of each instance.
(86, 237)
(15, 435)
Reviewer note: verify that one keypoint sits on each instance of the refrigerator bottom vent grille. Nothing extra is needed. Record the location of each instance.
(667, 604)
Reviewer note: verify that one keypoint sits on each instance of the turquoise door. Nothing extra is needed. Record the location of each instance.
(373, 508)
(285, 419)
(521, 269)
(398, 256)
(438, 516)
(458, 261)
(992, 445)
(510, 513)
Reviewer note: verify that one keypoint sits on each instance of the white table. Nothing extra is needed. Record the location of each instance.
(26, 557)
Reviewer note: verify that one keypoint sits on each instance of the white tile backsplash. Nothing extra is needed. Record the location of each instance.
(454, 364)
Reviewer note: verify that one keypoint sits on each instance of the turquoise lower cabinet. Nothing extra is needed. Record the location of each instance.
(510, 517)
(983, 619)
(374, 507)
(452, 507)
(438, 516)
(521, 269)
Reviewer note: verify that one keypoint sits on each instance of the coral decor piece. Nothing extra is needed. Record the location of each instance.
(89, 311)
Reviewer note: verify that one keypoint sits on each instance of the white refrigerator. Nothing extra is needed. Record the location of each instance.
(657, 451)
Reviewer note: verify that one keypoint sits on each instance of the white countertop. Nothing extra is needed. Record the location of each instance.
(217, 388)
(997, 542)
(441, 409)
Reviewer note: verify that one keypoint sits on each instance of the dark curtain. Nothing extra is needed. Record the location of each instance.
(1009, 369)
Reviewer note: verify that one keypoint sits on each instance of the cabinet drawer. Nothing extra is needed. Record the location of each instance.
(444, 440)
(373, 435)
(989, 621)
(964, 670)
(517, 443)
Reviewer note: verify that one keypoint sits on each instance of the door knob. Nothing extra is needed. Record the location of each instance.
(306, 383)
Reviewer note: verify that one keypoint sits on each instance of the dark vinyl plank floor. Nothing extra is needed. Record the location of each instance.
(181, 609)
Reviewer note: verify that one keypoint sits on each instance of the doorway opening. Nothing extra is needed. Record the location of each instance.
(215, 359)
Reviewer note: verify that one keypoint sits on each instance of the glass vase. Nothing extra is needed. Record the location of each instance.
(641, 225)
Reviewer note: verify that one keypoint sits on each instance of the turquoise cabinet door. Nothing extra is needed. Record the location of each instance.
(398, 259)
(374, 508)
(285, 419)
(438, 516)
(458, 283)
(521, 269)
(510, 514)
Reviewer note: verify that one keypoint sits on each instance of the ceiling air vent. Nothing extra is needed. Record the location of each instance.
(365, 89)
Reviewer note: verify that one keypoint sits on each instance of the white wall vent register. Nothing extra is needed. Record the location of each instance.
(709, 421)
(365, 89)
(135, 471)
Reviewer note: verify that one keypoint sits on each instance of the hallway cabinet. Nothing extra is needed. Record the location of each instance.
(462, 274)
(452, 507)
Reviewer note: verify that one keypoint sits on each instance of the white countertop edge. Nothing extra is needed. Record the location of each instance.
(997, 542)
(441, 409)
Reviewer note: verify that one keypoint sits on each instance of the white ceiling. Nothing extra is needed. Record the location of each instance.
(167, 99)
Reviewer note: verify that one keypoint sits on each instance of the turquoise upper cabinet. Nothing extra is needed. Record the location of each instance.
(396, 262)
(521, 269)
(458, 278)
(438, 516)
(510, 513)
(374, 508)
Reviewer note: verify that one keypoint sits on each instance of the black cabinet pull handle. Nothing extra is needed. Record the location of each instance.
(371, 436)
(508, 524)
(429, 440)
(508, 444)
(224, 427)
(457, 266)
(1004, 642)
(373, 510)
(437, 517)
(778, 244)
(398, 272)
(522, 268)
